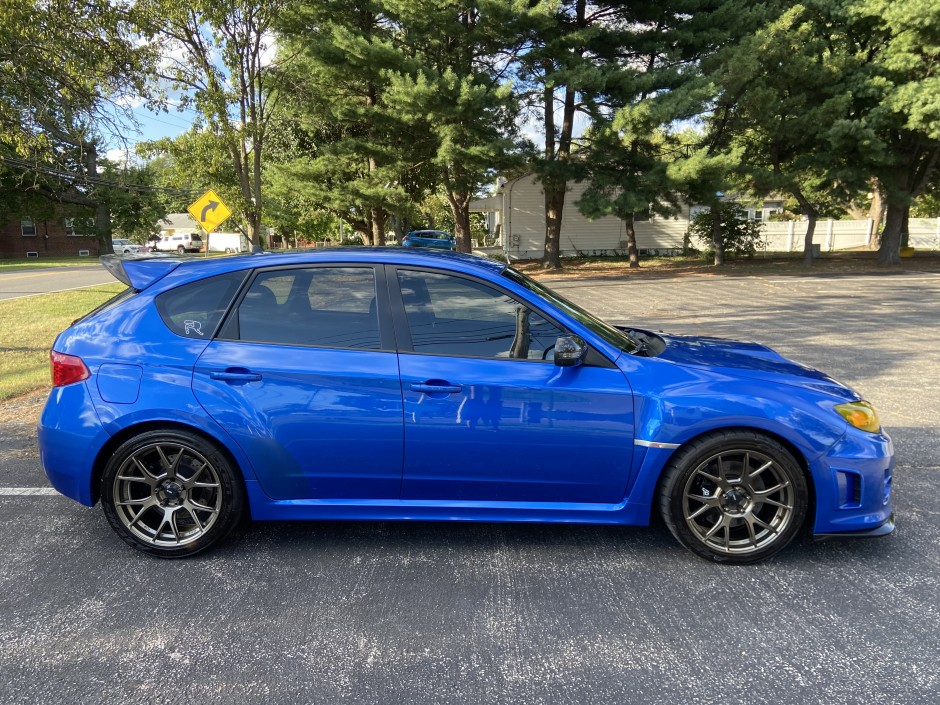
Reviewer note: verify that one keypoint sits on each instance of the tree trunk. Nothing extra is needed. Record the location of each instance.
(460, 209)
(890, 250)
(253, 227)
(906, 228)
(808, 255)
(556, 186)
(377, 220)
(718, 240)
(876, 212)
(462, 229)
(554, 209)
(630, 234)
(102, 211)
(366, 230)
(812, 215)
(401, 225)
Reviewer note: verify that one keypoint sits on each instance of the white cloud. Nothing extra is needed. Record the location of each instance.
(121, 155)
(268, 49)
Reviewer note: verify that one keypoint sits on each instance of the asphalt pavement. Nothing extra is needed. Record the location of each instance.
(486, 613)
(14, 285)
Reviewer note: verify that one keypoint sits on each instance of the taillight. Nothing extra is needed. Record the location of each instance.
(66, 369)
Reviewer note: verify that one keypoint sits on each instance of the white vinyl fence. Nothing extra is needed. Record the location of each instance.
(833, 235)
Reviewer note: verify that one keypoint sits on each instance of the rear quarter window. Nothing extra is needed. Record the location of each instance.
(194, 310)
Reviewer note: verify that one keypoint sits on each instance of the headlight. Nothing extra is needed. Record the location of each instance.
(860, 414)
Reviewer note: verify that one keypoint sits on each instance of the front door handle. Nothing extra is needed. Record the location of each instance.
(439, 388)
(236, 375)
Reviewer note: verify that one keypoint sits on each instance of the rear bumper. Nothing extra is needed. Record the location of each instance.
(70, 436)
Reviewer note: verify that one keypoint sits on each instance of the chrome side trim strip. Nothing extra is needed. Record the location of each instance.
(654, 444)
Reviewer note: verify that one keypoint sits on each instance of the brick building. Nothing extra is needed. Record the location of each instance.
(24, 237)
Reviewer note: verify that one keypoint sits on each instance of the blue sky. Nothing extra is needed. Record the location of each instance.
(151, 126)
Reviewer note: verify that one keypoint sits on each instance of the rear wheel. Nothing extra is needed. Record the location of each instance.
(734, 497)
(171, 493)
(181, 249)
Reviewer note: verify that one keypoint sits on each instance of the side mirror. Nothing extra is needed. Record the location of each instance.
(569, 350)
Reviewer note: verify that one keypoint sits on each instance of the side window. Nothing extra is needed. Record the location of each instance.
(450, 315)
(194, 310)
(330, 307)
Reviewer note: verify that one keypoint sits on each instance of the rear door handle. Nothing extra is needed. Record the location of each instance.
(435, 388)
(236, 376)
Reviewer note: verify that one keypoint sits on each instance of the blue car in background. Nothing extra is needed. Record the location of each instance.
(435, 239)
(391, 384)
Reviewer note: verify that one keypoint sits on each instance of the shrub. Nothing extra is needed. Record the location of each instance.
(742, 237)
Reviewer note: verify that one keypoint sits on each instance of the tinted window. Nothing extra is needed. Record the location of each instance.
(322, 306)
(194, 310)
(450, 315)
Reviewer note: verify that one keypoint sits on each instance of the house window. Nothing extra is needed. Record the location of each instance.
(70, 227)
(27, 227)
(758, 214)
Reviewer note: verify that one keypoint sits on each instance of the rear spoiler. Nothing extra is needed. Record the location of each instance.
(138, 271)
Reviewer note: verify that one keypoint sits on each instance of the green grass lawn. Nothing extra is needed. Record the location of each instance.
(16, 265)
(29, 326)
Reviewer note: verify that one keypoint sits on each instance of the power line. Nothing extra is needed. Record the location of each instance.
(24, 165)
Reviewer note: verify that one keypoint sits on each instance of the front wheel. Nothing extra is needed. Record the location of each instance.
(171, 493)
(734, 497)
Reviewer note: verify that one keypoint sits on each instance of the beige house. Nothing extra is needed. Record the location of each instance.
(516, 224)
(178, 224)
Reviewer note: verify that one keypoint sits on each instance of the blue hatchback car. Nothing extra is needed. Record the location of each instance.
(410, 384)
(434, 239)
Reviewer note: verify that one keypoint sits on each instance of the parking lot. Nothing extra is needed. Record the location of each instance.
(488, 613)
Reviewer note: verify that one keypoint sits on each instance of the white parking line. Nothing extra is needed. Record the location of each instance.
(27, 491)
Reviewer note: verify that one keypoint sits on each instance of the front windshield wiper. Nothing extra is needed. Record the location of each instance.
(640, 341)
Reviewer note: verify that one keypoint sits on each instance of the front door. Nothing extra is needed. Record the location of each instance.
(488, 415)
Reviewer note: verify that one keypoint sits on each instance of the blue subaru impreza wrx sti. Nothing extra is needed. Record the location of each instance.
(410, 384)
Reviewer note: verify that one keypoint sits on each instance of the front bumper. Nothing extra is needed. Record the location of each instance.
(876, 533)
(853, 487)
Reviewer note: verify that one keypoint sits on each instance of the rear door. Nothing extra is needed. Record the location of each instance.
(304, 376)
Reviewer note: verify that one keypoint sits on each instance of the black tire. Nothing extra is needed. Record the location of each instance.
(726, 514)
(228, 250)
(181, 250)
(171, 493)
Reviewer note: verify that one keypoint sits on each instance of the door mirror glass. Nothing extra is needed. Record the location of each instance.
(569, 351)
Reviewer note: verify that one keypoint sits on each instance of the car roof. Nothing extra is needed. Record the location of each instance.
(191, 268)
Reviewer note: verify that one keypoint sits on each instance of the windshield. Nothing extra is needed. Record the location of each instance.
(603, 330)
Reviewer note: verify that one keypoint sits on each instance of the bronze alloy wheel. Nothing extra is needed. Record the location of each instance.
(167, 494)
(171, 493)
(734, 496)
(738, 501)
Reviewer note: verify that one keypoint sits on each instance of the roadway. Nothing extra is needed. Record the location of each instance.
(19, 284)
(484, 613)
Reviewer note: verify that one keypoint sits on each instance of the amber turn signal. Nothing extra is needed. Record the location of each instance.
(860, 414)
